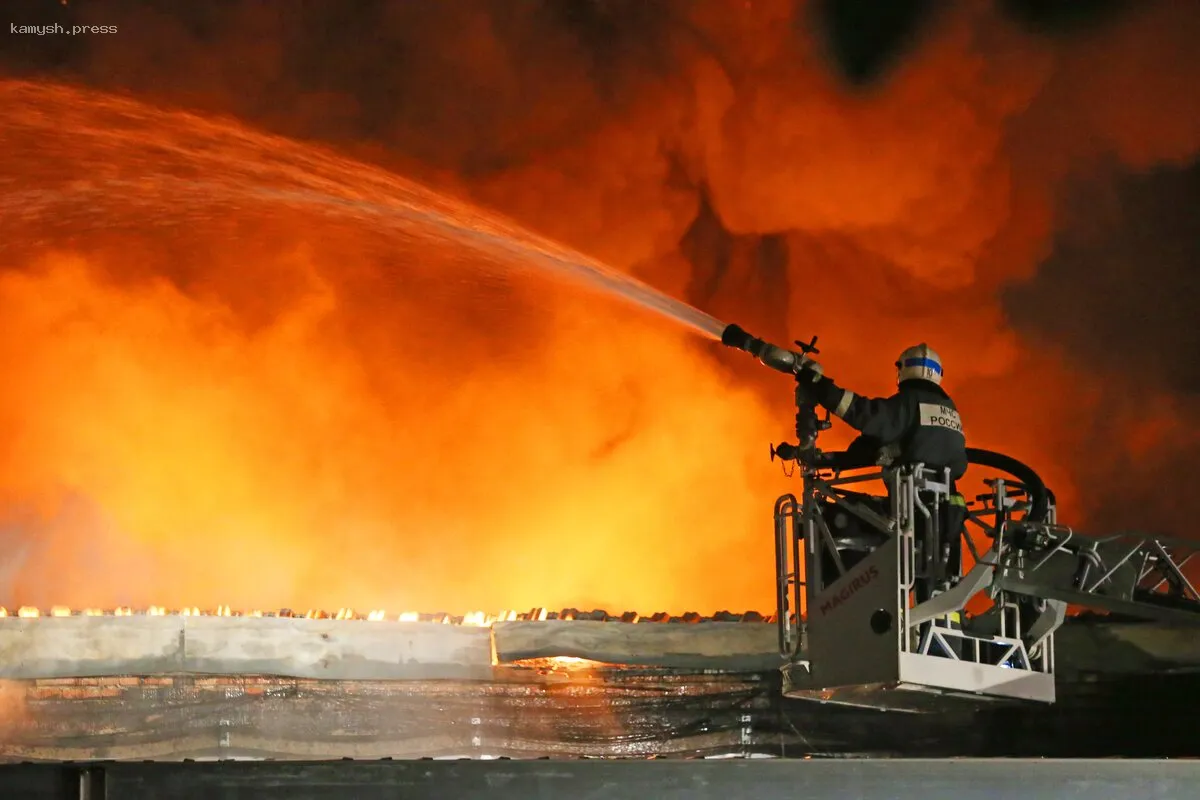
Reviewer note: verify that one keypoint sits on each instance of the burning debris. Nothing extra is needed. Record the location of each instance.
(478, 618)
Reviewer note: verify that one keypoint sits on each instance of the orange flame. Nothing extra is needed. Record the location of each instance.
(473, 618)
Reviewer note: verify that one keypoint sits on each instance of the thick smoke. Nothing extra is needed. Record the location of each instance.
(714, 149)
(1132, 336)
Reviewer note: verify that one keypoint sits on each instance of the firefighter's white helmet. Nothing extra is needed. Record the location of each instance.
(919, 362)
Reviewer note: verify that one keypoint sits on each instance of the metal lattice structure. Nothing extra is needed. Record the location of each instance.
(873, 595)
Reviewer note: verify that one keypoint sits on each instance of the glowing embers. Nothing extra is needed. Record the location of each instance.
(472, 618)
(568, 665)
(479, 618)
(577, 664)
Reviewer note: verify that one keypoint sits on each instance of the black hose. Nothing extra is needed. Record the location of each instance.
(1038, 492)
(1039, 495)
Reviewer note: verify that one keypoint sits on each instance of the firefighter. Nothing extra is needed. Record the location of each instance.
(917, 424)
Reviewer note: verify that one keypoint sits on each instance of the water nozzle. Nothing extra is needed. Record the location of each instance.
(734, 336)
(775, 357)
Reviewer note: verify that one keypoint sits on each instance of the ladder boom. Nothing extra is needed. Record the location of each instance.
(1127, 573)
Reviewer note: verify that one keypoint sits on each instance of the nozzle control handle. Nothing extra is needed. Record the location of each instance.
(809, 348)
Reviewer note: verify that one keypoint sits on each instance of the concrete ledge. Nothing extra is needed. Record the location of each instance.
(335, 650)
(330, 649)
(703, 645)
(75, 647)
(696, 779)
(79, 647)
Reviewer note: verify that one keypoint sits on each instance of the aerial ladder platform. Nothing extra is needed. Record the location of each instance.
(896, 591)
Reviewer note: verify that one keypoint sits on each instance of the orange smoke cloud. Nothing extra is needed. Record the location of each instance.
(270, 469)
(263, 407)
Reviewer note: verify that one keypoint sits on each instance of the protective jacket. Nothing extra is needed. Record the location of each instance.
(918, 424)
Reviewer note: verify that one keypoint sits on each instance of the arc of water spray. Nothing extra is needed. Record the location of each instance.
(319, 178)
(584, 269)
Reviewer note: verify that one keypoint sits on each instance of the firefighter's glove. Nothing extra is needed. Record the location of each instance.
(887, 455)
(811, 372)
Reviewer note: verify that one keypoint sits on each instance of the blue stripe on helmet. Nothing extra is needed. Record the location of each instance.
(923, 362)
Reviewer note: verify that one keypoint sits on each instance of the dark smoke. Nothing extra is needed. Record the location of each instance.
(1119, 291)
(1117, 298)
(866, 39)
